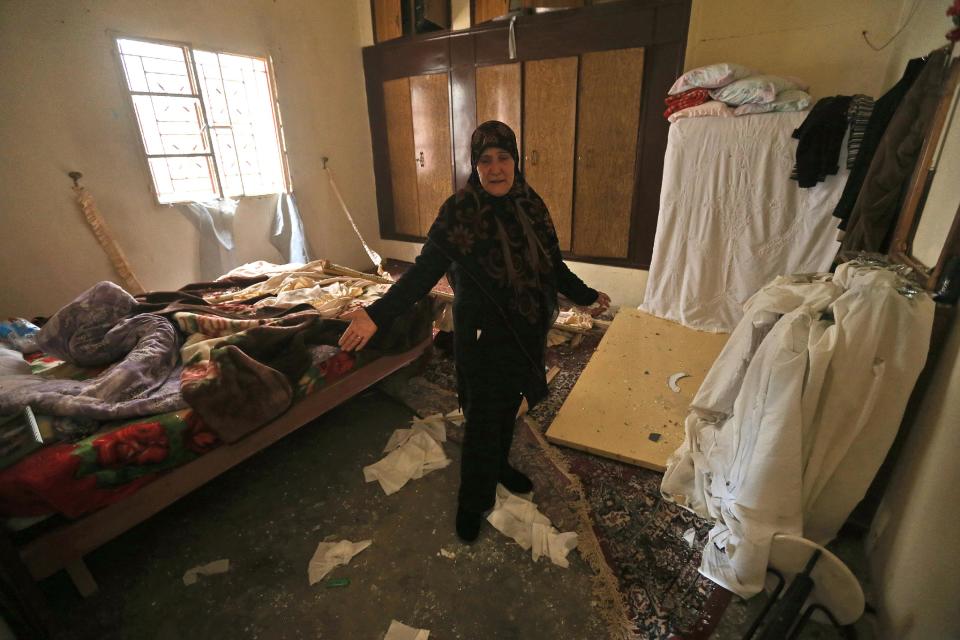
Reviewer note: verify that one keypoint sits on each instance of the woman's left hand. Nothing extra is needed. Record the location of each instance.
(601, 304)
(358, 334)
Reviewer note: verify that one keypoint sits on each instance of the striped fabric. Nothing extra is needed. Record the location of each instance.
(861, 108)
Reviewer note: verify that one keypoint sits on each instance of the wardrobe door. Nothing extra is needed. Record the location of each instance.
(403, 170)
(498, 96)
(485, 10)
(549, 124)
(608, 118)
(386, 15)
(430, 106)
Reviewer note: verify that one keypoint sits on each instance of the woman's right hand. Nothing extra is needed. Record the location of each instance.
(361, 329)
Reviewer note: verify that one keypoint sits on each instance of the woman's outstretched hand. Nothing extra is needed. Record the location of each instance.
(359, 332)
(601, 304)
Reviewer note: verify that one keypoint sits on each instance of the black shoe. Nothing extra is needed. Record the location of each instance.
(468, 524)
(515, 481)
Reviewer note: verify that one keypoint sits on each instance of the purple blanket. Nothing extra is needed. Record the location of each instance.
(95, 330)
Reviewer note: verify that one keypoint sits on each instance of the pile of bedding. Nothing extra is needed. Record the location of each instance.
(114, 389)
(727, 89)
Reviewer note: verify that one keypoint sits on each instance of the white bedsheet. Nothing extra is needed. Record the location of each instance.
(731, 219)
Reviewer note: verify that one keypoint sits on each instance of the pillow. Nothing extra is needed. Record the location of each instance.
(712, 108)
(789, 100)
(752, 90)
(710, 77)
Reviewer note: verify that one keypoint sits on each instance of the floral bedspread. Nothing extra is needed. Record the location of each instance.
(77, 478)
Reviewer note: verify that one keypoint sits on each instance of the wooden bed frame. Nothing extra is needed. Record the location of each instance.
(64, 547)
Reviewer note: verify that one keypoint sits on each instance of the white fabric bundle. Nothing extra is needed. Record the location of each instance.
(797, 414)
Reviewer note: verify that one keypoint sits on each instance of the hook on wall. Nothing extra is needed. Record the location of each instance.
(323, 162)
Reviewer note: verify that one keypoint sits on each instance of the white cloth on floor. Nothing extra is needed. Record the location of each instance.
(400, 631)
(731, 219)
(520, 519)
(797, 413)
(411, 454)
(333, 554)
(209, 569)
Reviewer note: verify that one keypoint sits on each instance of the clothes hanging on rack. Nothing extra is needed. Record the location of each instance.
(821, 138)
(875, 211)
(797, 414)
(883, 110)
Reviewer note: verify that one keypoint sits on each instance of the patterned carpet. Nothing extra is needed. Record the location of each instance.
(639, 535)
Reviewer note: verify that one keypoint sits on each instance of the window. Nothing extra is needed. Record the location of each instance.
(209, 121)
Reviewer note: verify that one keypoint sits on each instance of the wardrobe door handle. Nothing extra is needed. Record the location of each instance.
(534, 158)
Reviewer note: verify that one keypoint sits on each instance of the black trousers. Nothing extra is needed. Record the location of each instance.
(490, 409)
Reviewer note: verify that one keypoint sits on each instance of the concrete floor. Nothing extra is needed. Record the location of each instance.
(267, 516)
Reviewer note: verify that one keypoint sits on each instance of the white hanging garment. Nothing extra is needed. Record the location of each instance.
(797, 413)
(881, 341)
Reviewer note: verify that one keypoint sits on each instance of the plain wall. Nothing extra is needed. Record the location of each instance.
(64, 107)
(818, 41)
(913, 543)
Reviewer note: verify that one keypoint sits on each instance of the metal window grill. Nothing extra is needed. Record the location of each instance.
(209, 121)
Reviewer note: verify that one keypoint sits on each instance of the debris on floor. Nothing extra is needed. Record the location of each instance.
(400, 631)
(518, 518)
(672, 382)
(411, 454)
(578, 321)
(337, 582)
(331, 554)
(447, 554)
(654, 436)
(209, 569)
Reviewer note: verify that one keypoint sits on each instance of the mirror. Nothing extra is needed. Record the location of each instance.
(943, 197)
(928, 230)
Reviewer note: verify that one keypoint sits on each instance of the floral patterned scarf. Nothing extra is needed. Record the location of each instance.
(509, 239)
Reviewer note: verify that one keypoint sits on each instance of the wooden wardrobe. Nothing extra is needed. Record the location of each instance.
(584, 93)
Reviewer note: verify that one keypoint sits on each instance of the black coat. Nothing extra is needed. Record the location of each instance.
(500, 325)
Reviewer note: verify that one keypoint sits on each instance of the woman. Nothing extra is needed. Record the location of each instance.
(495, 239)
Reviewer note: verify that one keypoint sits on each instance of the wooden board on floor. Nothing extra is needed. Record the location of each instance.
(622, 396)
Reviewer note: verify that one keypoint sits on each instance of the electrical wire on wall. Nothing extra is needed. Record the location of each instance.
(913, 11)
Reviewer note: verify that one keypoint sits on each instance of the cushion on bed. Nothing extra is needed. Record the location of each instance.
(789, 100)
(710, 77)
(753, 89)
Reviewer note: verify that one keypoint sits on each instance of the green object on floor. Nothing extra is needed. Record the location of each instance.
(338, 582)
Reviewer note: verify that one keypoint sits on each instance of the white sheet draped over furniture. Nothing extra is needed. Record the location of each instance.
(731, 219)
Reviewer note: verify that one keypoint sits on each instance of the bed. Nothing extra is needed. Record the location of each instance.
(77, 495)
(731, 219)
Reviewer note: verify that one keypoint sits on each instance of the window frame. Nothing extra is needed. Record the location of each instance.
(197, 94)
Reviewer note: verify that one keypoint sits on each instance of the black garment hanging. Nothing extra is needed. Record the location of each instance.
(883, 110)
(821, 137)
